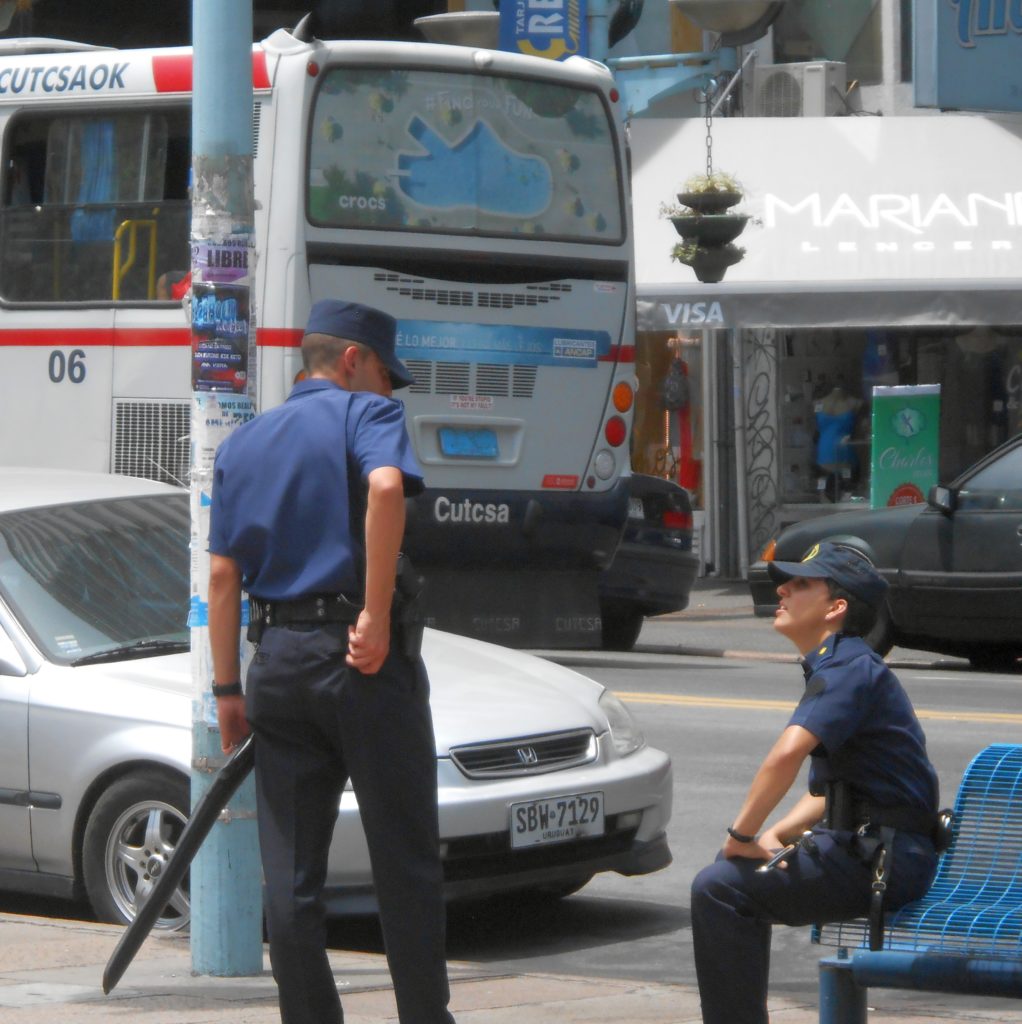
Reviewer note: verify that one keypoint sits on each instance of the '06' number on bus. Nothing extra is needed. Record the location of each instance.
(71, 366)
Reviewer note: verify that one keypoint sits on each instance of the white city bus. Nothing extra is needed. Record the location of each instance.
(480, 197)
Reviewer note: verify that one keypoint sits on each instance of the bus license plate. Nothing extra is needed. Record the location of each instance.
(462, 443)
(557, 819)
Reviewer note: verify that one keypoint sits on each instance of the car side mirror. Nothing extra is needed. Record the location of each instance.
(941, 498)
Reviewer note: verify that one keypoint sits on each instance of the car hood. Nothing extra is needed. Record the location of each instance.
(481, 692)
(478, 691)
(884, 529)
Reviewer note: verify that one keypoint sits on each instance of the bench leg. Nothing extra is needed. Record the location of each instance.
(841, 1000)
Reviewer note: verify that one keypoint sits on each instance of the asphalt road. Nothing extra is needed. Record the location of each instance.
(717, 718)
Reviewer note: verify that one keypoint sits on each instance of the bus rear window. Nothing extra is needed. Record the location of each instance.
(463, 154)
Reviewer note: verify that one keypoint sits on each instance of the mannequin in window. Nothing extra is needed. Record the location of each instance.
(836, 413)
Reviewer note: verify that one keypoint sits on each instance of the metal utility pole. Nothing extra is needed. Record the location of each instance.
(226, 884)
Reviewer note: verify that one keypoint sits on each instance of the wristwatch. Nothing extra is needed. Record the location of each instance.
(227, 689)
(737, 836)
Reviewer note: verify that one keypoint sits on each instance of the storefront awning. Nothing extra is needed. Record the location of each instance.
(858, 222)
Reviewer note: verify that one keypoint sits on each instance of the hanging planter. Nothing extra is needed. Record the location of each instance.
(710, 264)
(711, 193)
(709, 229)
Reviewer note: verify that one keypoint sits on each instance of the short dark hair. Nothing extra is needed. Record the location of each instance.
(321, 351)
(860, 617)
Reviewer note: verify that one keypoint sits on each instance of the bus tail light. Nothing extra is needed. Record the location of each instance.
(615, 431)
(677, 520)
(623, 396)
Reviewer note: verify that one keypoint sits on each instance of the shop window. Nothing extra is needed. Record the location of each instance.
(844, 30)
(826, 378)
(667, 435)
(95, 207)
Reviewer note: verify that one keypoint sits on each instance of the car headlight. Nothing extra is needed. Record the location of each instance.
(624, 730)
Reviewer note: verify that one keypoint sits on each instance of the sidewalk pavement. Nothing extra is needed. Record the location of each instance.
(51, 970)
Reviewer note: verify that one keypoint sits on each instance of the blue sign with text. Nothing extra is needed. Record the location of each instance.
(555, 29)
(968, 54)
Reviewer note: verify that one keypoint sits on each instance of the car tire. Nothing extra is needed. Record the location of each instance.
(881, 636)
(621, 628)
(130, 835)
(994, 659)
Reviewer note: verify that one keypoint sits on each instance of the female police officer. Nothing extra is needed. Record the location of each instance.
(868, 768)
(308, 515)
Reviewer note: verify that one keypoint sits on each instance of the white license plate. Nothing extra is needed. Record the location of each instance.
(635, 510)
(557, 819)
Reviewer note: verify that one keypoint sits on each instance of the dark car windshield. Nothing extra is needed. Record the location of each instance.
(98, 575)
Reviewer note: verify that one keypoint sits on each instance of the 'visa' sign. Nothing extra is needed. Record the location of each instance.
(555, 29)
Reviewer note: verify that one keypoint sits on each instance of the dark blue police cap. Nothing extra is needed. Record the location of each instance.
(370, 327)
(846, 566)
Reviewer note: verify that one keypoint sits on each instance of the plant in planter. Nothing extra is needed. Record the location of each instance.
(711, 193)
(709, 263)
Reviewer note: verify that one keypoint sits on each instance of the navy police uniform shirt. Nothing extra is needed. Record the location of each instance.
(869, 734)
(283, 503)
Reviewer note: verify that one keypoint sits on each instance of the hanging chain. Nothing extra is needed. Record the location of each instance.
(709, 136)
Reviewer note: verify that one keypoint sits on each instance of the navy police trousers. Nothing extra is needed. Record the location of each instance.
(734, 907)
(318, 723)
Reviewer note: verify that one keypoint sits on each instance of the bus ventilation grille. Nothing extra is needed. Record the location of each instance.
(416, 289)
(150, 439)
(494, 380)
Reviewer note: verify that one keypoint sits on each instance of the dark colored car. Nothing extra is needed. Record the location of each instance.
(654, 566)
(954, 564)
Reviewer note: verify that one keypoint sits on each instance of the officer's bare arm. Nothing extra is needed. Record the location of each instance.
(772, 781)
(224, 617)
(369, 641)
(806, 813)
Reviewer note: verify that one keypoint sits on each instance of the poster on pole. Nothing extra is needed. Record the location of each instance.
(905, 448)
(555, 29)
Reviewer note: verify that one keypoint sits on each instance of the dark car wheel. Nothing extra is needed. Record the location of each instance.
(129, 838)
(881, 636)
(994, 659)
(621, 628)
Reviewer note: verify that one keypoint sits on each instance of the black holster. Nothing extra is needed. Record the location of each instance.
(406, 614)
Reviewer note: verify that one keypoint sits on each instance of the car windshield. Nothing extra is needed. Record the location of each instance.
(100, 575)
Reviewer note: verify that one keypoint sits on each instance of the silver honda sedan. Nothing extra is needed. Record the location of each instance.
(95, 724)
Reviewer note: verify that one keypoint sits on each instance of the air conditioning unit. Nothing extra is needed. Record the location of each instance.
(811, 89)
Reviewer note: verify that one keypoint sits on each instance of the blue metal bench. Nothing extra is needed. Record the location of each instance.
(965, 934)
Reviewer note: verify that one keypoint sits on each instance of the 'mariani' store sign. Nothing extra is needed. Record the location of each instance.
(968, 54)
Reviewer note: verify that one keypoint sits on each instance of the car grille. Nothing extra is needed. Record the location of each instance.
(528, 755)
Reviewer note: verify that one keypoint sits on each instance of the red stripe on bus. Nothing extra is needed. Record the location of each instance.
(173, 72)
(621, 354)
(132, 337)
(279, 337)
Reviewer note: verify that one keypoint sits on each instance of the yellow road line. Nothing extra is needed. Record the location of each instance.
(783, 705)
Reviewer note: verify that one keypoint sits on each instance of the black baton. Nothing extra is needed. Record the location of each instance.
(202, 819)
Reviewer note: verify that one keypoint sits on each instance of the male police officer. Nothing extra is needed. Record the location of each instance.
(307, 516)
(870, 784)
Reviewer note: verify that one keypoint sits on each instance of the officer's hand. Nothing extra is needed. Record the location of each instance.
(234, 727)
(368, 643)
(753, 851)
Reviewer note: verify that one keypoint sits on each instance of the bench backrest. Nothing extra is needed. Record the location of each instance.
(975, 902)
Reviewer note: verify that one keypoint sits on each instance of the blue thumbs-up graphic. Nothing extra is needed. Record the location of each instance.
(479, 171)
